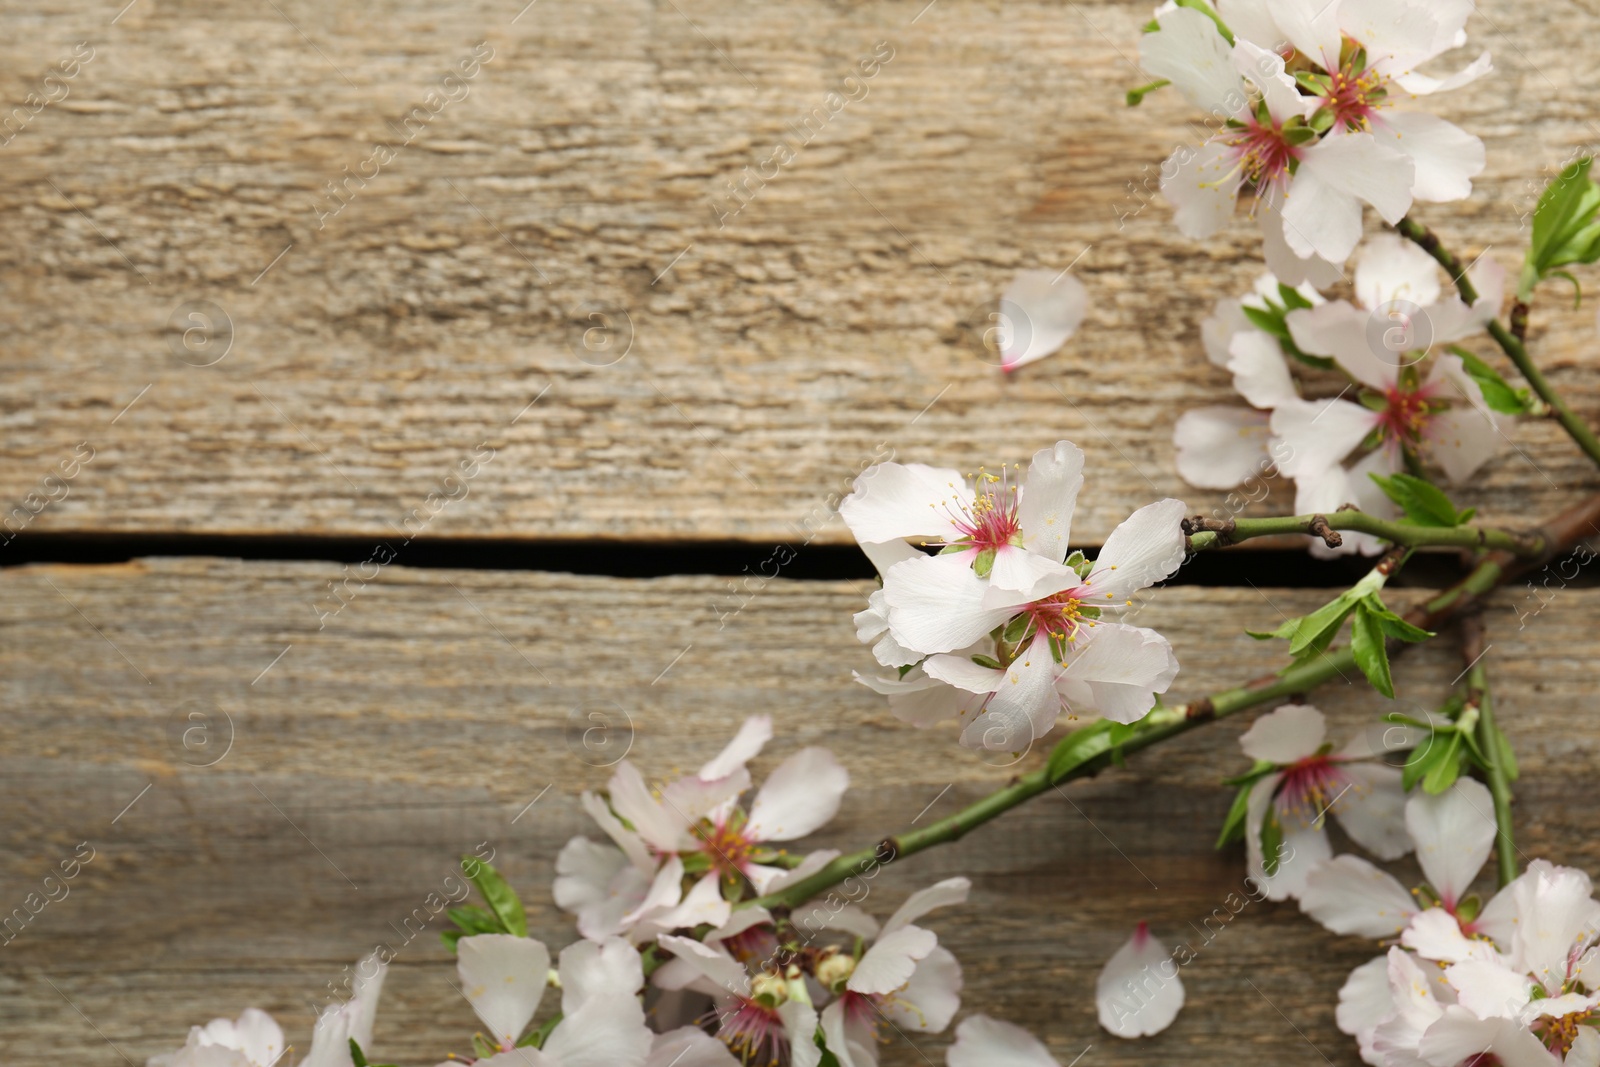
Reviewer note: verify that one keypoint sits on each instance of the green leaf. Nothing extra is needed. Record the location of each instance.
(1447, 768)
(1565, 228)
(987, 661)
(1136, 97)
(499, 895)
(1468, 908)
(1083, 745)
(359, 1058)
(1267, 322)
(1015, 629)
(1497, 393)
(1393, 625)
(1420, 762)
(1372, 655)
(984, 563)
(1318, 629)
(469, 920)
(1423, 502)
(1271, 842)
(1291, 298)
(1233, 825)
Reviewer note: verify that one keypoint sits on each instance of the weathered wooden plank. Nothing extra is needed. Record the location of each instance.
(417, 724)
(586, 164)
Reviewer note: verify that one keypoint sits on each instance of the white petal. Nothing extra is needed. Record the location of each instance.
(688, 1046)
(1488, 988)
(985, 1042)
(1298, 852)
(893, 501)
(799, 797)
(703, 904)
(598, 968)
(1260, 372)
(1220, 447)
(1358, 165)
(1434, 934)
(1202, 185)
(1461, 440)
(918, 699)
(1371, 809)
(1265, 69)
(888, 964)
(1312, 26)
(1189, 52)
(847, 917)
(936, 604)
(1364, 1002)
(1348, 895)
(1048, 497)
(1040, 309)
(1346, 333)
(1251, 20)
(1556, 911)
(1144, 549)
(1424, 84)
(754, 733)
(1454, 833)
(1138, 992)
(722, 969)
(1315, 435)
(800, 1022)
(1115, 670)
(1445, 157)
(931, 998)
(603, 1032)
(1391, 268)
(666, 891)
(1459, 1035)
(1217, 329)
(886, 554)
(1416, 1007)
(1585, 1051)
(939, 895)
(1023, 708)
(1283, 261)
(503, 978)
(1285, 734)
(663, 827)
(848, 1053)
(964, 674)
(631, 843)
(1019, 574)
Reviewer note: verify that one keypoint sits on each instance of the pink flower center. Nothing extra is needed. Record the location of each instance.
(1261, 152)
(1309, 787)
(1404, 419)
(1058, 615)
(727, 845)
(754, 1033)
(1351, 97)
(991, 520)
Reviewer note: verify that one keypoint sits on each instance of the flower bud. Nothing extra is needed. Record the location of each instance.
(769, 989)
(835, 970)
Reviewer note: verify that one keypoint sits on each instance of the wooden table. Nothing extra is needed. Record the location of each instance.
(535, 272)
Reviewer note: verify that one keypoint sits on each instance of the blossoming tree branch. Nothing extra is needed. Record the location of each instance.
(707, 938)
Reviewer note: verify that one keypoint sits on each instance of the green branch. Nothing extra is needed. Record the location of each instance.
(1160, 725)
(1207, 534)
(1514, 349)
(1491, 743)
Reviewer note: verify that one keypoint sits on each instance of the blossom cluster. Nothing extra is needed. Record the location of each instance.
(1005, 630)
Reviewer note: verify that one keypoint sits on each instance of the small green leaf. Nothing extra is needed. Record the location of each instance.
(1085, 744)
(499, 895)
(1565, 228)
(1422, 501)
(1136, 97)
(1015, 629)
(1447, 768)
(469, 920)
(1267, 322)
(1318, 629)
(1469, 907)
(987, 661)
(1393, 625)
(984, 563)
(1497, 393)
(1291, 297)
(1508, 758)
(1233, 825)
(1271, 841)
(1371, 654)
(1421, 761)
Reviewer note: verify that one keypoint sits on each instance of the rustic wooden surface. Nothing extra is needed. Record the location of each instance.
(417, 724)
(770, 357)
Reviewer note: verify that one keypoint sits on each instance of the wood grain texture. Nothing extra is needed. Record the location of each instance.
(773, 352)
(426, 716)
